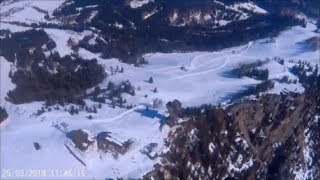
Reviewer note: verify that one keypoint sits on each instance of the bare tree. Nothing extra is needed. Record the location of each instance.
(157, 103)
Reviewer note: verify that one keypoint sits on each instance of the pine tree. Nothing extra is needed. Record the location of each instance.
(110, 86)
(111, 69)
(72, 110)
(36, 145)
(113, 103)
(117, 69)
(71, 42)
(132, 92)
(3, 114)
(155, 90)
(120, 102)
(150, 80)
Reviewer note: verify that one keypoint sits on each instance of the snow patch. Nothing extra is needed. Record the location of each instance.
(139, 3)
(5, 81)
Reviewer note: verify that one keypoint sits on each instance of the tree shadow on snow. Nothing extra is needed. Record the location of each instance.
(150, 113)
(307, 45)
(238, 95)
(229, 73)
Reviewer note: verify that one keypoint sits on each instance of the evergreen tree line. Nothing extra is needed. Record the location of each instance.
(3, 114)
(47, 77)
(252, 71)
(309, 75)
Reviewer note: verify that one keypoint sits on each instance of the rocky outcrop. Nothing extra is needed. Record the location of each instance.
(271, 137)
(257, 139)
(273, 128)
(175, 111)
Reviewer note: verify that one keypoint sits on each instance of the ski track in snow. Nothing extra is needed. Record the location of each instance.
(219, 65)
(120, 116)
(194, 65)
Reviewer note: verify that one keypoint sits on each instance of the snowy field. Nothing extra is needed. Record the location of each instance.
(28, 11)
(18, 153)
(194, 78)
(202, 78)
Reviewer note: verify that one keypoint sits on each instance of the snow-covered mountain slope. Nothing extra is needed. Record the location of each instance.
(5, 81)
(122, 123)
(164, 25)
(201, 74)
(28, 11)
(216, 143)
(202, 82)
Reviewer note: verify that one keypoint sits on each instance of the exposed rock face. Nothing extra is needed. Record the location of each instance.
(175, 111)
(273, 127)
(277, 117)
(258, 139)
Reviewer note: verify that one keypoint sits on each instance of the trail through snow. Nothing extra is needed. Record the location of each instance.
(120, 116)
(201, 63)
